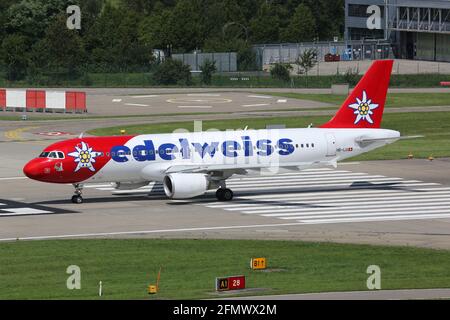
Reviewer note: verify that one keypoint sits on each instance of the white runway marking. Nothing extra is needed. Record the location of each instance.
(147, 96)
(13, 178)
(116, 100)
(281, 101)
(200, 107)
(255, 105)
(319, 196)
(204, 95)
(137, 104)
(22, 211)
(137, 232)
(260, 97)
(337, 196)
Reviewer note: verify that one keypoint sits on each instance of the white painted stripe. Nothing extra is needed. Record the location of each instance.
(321, 180)
(416, 217)
(328, 194)
(296, 176)
(365, 199)
(348, 163)
(145, 96)
(116, 100)
(389, 213)
(302, 185)
(137, 104)
(204, 95)
(200, 107)
(13, 178)
(138, 232)
(260, 97)
(369, 208)
(336, 185)
(281, 100)
(21, 211)
(2, 204)
(340, 197)
(255, 105)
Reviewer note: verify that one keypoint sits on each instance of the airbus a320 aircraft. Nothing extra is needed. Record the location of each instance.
(189, 164)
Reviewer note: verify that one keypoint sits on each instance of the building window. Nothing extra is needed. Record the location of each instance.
(360, 10)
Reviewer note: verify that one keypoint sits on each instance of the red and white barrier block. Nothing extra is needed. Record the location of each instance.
(41, 100)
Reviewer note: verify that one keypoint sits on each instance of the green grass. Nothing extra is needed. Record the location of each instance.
(435, 126)
(261, 80)
(394, 100)
(37, 269)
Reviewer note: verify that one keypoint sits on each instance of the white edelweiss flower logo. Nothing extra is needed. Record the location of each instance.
(363, 108)
(85, 157)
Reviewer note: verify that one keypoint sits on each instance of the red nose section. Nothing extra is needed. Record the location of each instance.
(34, 169)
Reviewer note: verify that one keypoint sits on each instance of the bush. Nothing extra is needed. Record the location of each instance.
(280, 71)
(172, 72)
(208, 68)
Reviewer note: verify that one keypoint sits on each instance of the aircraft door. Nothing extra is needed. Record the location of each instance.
(331, 144)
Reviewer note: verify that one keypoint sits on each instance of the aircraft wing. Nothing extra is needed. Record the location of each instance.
(243, 168)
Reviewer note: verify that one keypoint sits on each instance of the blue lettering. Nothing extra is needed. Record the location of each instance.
(285, 146)
(206, 148)
(185, 150)
(119, 153)
(264, 146)
(248, 148)
(144, 152)
(229, 148)
(166, 151)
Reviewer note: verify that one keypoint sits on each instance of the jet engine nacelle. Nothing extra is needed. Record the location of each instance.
(185, 185)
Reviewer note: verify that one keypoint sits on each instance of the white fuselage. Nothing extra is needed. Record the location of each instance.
(148, 157)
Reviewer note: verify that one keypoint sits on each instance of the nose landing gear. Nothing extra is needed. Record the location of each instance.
(77, 197)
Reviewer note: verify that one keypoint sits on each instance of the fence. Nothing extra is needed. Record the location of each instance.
(347, 51)
(40, 100)
(225, 61)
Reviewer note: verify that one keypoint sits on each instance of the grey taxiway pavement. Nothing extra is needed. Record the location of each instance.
(405, 202)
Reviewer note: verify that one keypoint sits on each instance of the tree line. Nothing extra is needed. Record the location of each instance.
(120, 35)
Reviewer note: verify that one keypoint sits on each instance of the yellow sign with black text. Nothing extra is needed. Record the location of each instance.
(258, 263)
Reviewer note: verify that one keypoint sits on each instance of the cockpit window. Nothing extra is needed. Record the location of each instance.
(52, 155)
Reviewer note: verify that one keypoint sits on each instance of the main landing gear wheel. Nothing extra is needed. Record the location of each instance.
(224, 194)
(77, 198)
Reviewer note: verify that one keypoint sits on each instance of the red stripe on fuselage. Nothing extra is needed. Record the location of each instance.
(64, 170)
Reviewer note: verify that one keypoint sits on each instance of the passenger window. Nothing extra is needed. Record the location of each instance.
(312, 145)
(307, 145)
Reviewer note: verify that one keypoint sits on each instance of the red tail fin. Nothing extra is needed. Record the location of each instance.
(364, 107)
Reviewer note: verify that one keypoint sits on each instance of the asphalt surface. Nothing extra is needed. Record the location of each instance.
(412, 294)
(295, 206)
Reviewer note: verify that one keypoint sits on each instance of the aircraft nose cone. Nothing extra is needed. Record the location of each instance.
(32, 170)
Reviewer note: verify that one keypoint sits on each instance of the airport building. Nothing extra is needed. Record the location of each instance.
(416, 29)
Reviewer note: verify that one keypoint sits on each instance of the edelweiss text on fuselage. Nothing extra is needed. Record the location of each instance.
(229, 148)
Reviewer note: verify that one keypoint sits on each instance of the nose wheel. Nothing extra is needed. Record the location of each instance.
(224, 194)
(77, 197)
